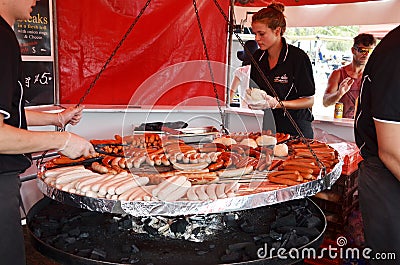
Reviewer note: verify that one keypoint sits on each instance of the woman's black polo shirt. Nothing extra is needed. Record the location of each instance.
(291, 78)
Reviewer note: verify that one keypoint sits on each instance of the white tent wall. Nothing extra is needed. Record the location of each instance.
(364, 13)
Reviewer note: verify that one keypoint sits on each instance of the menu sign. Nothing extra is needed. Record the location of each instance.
(34, 34)
(38, 83)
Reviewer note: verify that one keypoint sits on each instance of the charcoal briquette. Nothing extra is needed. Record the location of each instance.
(239, 246)
(94, 257)
(84, 235)
(74, 232)
(113, 228)
(276, 245)
(70, 240)
(308, 232)
(275, 235)
(37, 232)
(59, 244)
(134, 260)
(126, 248)
(84, 252)
(296, 241)
(40, 218)
(288, 220)
(74, 218)
(99, 252)
(134, 249)
(151, 230)
(251, 251)
(313, 221)
(247, 228)
(264, 240)
(179, 226)
(232, 257)
(283, 211)
(126, 224)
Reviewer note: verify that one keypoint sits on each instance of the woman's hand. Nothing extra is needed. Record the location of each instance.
(259, 106)
(268, 103)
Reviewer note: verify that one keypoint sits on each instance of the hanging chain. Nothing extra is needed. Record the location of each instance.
(82, 99)
(113, 53)
(223, 128)
(266, 81)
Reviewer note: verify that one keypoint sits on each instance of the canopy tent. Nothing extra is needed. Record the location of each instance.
(260, 3)
(164, 39)
(344, 14)
(379, 31)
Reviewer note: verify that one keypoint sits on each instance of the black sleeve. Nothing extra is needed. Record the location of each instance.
(386, 86)
(6, 73)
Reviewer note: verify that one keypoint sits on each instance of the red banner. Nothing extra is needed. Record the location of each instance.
(260, 3)
(163, 44)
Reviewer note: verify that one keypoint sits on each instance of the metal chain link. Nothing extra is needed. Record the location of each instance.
(266, 81)
(223, 128)
(113, 53)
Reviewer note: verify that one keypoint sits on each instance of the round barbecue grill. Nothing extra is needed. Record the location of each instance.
(75, 229)
(71, 235)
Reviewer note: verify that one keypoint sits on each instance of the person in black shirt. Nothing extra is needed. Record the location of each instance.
(287, 68)
(377, 130)
(16, 142)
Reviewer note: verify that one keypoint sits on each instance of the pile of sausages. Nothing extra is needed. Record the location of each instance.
(129, 187)
(213, 156)
(302, 166)
(208, 172)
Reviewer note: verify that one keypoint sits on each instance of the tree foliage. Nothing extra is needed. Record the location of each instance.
(337, 38)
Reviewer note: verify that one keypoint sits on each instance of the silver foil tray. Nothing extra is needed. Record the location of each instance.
(198, 130)
(197, 135)
(154, 208)
(191, 135)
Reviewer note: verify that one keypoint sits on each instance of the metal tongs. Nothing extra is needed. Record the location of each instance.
(99, 148)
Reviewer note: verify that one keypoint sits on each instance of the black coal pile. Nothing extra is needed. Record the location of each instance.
(110, 238)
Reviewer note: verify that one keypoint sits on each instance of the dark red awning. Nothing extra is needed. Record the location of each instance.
(260, 3)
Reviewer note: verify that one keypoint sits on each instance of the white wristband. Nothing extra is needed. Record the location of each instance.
(66, 142)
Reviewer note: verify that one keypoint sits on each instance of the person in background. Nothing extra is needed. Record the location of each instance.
(377, 130)
(16, 142)
(344, 83)
(287, 68)
(241, 75)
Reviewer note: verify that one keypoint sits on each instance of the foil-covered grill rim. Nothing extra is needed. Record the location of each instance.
(178, 208)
